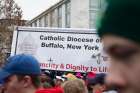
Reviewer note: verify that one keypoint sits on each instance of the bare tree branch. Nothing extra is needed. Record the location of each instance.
(10, 15)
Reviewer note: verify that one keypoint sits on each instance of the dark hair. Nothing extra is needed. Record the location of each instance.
(100, 78)
(35, 79)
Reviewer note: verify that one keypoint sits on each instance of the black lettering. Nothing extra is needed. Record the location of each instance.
(87, 47)
(41, 37)
(70, 46)
(42, 44)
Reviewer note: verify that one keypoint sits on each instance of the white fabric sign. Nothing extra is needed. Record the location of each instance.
(77, 50)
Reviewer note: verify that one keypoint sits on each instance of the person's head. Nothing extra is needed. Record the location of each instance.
(120, 33)
(58, 81)
(97, 83)
(20, 74)
(45, 76)
(89, 79)
(74, 86)
(70, 76)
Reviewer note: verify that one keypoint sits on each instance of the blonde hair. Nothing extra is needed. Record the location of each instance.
(74, 86)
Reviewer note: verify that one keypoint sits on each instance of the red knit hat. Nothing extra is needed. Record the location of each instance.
(91, 75)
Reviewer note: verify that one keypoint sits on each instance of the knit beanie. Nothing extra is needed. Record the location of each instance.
(121, 18)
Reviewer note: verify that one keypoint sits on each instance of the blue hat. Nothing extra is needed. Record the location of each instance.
(1, 82)
(20, 64)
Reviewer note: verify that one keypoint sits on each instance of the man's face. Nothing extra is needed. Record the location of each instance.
(43, 78)
(124, 71)
(13, 85)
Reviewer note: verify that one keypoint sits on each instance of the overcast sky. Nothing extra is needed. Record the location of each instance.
(32, 8)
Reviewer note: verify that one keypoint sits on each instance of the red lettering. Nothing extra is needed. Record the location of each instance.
(68, 66)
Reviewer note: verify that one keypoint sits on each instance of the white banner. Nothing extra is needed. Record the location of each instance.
(78, 50)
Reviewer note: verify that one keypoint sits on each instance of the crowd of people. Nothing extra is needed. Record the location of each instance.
(22, 74)
(119, 32)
